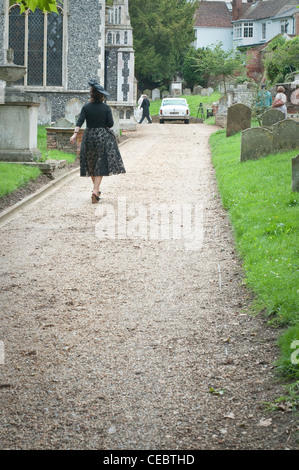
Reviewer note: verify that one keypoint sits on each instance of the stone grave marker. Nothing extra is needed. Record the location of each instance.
(156, 95)
(44, 115)
(256, 142)
(271, 117)
(72, 109)
(285, 135)
(197, 90)
(238, 119)
(295, 174)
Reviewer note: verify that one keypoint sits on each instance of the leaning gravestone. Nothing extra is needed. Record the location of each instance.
(271, 117)
(238, 119)
(255, 143)
(295, 174)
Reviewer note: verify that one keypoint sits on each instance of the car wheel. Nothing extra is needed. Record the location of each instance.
(186, 121)
(161, 121)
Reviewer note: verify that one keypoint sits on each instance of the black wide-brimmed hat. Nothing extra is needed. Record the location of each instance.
(94, 84)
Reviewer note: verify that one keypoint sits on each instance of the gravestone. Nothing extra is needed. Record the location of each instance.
(295, 174)
(271, 117)
(197, 90)
(156, 95)
(44, 115)
(63, 123)
(285, 135)
(187, 91)
(72, 109)
(255, 143)
(238, 119)
(222, 105)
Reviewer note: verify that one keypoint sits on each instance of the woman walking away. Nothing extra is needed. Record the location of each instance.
(280, 101)
(99, 155)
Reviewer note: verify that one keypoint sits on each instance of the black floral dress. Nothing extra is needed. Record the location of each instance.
(99, 155)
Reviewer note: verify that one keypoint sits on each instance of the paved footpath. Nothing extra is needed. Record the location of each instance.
(125, 325)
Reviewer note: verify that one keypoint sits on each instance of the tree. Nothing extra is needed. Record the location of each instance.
(281, 59)
(48, 5)
(162, 31)
(190, 74)
(216, 62)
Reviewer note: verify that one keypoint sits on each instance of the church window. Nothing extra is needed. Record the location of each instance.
(37, 41)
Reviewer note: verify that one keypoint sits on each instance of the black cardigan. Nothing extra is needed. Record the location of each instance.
(96, 115)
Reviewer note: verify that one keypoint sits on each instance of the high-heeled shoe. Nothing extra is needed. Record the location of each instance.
(95, 198)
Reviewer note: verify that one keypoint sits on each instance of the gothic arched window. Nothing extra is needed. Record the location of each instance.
(37, 41)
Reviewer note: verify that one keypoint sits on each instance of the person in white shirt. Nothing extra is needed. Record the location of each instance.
(282, 97)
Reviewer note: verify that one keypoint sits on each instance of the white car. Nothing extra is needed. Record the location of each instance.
(174, 109)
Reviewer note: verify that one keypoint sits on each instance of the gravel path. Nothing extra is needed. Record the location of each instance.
(135, 342)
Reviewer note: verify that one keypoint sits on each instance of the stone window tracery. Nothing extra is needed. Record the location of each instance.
(37, 41)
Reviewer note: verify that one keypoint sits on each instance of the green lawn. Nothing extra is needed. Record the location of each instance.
(193, 102)
(14, 176)
(265, 215)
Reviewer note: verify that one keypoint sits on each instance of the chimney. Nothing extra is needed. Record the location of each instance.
(237, 9)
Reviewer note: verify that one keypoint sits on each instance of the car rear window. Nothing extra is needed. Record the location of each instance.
(174, 102)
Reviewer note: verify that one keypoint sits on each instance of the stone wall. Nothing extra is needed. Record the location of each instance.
(111, 68)
(83, 43)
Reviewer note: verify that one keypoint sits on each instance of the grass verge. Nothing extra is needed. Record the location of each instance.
(264, 213)
(193, 102)
(14, 176)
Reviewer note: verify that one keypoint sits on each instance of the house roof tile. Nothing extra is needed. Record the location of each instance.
(267, 9)
(213, 15)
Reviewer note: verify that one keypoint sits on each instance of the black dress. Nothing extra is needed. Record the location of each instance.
(99, 155)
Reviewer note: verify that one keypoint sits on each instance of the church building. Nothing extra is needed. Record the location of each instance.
(62, 51)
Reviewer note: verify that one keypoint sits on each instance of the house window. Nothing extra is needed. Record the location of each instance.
(237, 31)
(284, 26)
(37, 41)
(264, 25)
(248, 30)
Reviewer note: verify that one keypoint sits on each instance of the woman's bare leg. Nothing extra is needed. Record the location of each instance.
(96, 183)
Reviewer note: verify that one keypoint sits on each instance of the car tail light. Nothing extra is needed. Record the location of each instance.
(161, 112)
(187, 112)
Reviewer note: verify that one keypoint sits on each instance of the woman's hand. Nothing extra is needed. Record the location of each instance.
(73, 138)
